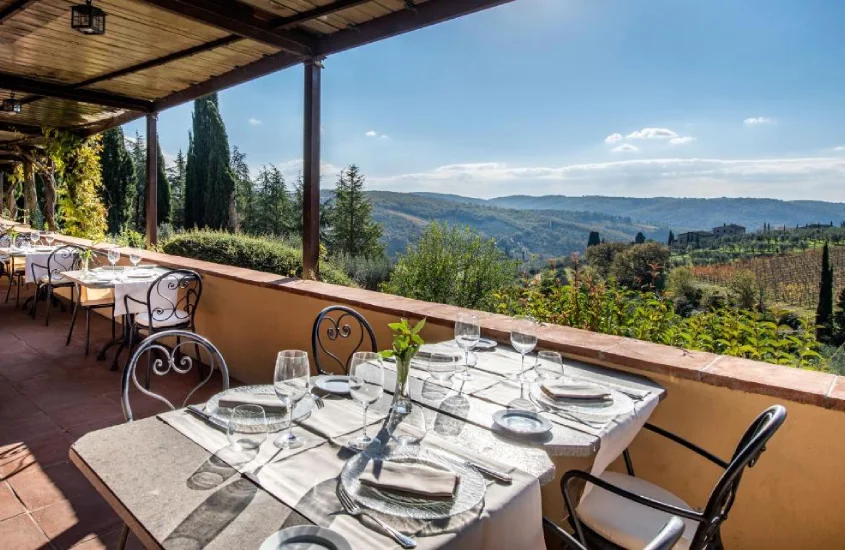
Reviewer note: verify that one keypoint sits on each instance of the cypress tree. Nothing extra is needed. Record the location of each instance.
(353, 230)
(824, 312)
(671, 238)
(244, 192)
(138, 152)
(162, 187)
(176, 182)
(594, 239)
(118, 169)
(640, 238)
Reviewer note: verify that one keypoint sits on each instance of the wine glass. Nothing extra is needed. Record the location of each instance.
(549, 366)
(366, 385)
(523, 339)
(50, 237)
(291, 382)
(441, 366)
(467, 335)
(114, 256)
(134, 257)
(35, 238)
(247, 427)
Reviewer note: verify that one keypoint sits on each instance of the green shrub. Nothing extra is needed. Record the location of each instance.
(369, 273)
(259, 253)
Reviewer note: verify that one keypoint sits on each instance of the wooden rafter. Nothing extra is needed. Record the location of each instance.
(9, 11)
(24, 129)
(321, 11)
(49, 89)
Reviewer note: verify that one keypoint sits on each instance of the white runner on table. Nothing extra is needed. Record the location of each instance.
(166, 299)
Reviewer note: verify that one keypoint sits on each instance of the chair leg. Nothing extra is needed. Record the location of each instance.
(75, 303)
(33, 309)
(113, 327)
(124, 535)
(49, 304)
(18, 291)
(9, 288)
(87, 330)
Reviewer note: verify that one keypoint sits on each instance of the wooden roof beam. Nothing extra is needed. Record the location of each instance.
(321, 11)
(25, 129)
(49, 89)
(239, 19)
(422, 15)
(9, 11)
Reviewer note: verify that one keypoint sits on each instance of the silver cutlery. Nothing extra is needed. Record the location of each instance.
(318, 401)
(569, 416)
(489, 472)
(354, 510)
(197, 411)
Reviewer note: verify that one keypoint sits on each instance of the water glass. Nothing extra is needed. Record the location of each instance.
(366, 385)
(442, 366)
(247, 427)
(523, 339)
(291, 383)
(549, 366)
(467, 335)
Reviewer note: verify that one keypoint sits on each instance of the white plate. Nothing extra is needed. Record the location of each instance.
(305, 536)
(275, 420)
(332, 383)
(522, 422)
(137, 275)
(485, 344)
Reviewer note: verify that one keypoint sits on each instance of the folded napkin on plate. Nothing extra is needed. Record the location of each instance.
(558, 390)
(410, 478)
(270, 403)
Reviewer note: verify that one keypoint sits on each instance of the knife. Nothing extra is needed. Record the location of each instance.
(489, 472)
(197, 411)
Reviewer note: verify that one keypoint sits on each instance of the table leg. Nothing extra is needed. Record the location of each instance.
(119, 341)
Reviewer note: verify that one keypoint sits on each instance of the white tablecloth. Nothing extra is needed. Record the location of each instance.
(165, 298)
(39, 258)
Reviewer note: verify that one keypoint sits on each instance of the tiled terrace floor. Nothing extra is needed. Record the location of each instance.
(50, 395)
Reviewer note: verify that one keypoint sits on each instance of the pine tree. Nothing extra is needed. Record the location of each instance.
(244, 192)
(138, 152)
(353, 230)
(162, 188)
(640, 238)
(824, 312)
(671, 238)
(176, 180)
(594, 239)
(118, 169)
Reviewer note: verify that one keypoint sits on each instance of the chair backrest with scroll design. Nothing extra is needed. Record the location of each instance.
(165, 359)
(173, 298)
(339, 325)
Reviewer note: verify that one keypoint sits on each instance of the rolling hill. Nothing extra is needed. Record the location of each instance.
(679, 214)
(547, 233)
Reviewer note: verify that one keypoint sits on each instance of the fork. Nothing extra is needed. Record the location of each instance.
(354, 510)
(569, 416)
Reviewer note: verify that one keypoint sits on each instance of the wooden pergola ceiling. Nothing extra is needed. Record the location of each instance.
(156, 54)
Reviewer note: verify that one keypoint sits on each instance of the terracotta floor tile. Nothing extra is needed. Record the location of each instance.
(22, 429)
(10, 506)
(40, 450)
(70, 522)
(39, 487)
(21, 533)
(97, 409)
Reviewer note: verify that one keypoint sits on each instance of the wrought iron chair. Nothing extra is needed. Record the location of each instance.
(64, 258)
(336, 320)
(171, 303)
(621, 509)
(88, 303)
(15, 270)
(666, 538)
(169, 360)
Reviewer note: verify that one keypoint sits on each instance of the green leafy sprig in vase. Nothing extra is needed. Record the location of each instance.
(406, 344)
(85, 257)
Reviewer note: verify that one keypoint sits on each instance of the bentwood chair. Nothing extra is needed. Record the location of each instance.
(666, 538)
(621, 511)
(64, 258)
(15, 268)
(88, 300)
(169, 360)
(334, 327)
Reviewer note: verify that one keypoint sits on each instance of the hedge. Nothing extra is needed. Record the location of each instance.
(258, 253)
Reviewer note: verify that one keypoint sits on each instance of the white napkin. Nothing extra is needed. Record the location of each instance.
(557, 390)
(410, 478)
(270, 403)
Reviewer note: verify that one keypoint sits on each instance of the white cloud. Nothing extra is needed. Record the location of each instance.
(625, 148)
(291, 169)
(613, 138)
(786, 178)
(839, 148)
(758, 121)
(371, 133)
(652, 133)
(681, 140)
(374, 134)
(254, 122)
(384, 136)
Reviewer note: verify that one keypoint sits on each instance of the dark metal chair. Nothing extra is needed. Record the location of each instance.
(334, 322)
(171, 303)
(166, 360)
(85, 302)
(64, 258)
(666, 538)
(15, 270)
(642, 504)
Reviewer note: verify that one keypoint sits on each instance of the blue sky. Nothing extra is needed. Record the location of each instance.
(611, 97)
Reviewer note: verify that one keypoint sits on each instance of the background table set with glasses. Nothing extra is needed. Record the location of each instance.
(442, 476)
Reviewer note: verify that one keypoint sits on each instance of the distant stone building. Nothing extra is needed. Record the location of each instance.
(695, 238)
(728, 229)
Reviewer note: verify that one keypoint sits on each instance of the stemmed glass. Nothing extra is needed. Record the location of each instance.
(114, 256)
(549, 366)
(50, 237)
(134, 258)
(291, 382)
(247, 427)
(366, 385)
(35, 238)
(523, 339)
(467, 335)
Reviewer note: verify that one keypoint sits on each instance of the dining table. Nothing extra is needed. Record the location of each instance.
(115, 283)
(177, 482)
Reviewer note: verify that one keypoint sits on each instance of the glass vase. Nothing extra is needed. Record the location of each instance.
(406, 422)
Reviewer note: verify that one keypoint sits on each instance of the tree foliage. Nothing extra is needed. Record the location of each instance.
(594, 239)
(824, 311)
(353, 230)
(162, 188)
(176, 179)
(118, 173)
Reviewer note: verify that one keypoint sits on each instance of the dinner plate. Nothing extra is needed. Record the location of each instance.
(468, 494)
(136, 275)
(300, 537)
(617, 404)
(332, 383)
(522, 422)
(44, 249)
(275, 420)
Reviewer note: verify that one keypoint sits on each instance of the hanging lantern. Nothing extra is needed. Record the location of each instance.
(87, 19)
(11, 105)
